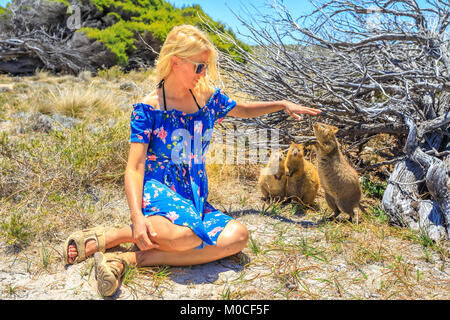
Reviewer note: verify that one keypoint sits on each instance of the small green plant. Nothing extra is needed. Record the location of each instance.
(333, 233)
(379, 214)
(425, 240)
(161, 273)
(427, 255)
(373, 188)
(16, 231)
(254, 245)
(272, 209)
(46, 257)
(418, 274)
(12, 290)
(296, 208)
(4, 141)
(226, 294)
(157, 274)
(309, 251)
(367, 253)
(422, 238)
(243, 200)
(130, 274)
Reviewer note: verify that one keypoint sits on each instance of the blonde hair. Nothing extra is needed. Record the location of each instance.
(185, 41)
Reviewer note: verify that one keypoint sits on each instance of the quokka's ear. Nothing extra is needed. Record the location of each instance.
(291, 146)
(301, 148)
(334, 129)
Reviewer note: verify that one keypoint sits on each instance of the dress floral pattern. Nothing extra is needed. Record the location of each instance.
(175, 181)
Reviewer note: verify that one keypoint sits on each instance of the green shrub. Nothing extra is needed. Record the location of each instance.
(373, 188)
(379, 214)
(94, 157)
(16, 230)
(118, 38)
(155, 16)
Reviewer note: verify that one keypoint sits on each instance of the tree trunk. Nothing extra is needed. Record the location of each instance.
(402, 204)
(411, 177)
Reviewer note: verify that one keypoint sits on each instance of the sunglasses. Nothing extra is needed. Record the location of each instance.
(199, 66)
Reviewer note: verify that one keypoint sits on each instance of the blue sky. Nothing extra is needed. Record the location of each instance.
(220, 10)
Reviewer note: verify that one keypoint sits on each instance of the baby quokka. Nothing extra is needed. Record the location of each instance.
(289, 178)
(302, 183)
(272, 180)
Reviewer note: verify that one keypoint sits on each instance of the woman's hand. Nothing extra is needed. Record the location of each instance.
(142, 231)
(294, 110)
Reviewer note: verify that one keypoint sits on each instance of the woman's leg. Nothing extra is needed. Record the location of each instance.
(113, 237)
(170, 237)
(231, 240)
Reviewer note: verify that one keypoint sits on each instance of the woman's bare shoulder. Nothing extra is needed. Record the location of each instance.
(208, 93)
(152, 99)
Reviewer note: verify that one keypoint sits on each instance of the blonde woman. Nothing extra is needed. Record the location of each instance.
(165, 179)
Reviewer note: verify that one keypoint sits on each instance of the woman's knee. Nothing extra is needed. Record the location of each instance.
(235, 233)
(241, 234)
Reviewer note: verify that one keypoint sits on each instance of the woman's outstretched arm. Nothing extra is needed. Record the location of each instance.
(259, 108)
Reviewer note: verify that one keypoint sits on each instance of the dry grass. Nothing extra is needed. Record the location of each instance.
(79, 102)
(55, 182)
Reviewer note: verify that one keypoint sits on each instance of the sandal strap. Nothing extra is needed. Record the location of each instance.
(112, 259)
(101, 238)
(82, 237)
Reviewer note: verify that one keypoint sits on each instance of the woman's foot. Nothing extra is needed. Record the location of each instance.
(84, 243)
(109, 269)
(72, 252)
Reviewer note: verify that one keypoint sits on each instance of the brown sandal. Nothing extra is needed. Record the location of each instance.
(108, 273)
(80, 238)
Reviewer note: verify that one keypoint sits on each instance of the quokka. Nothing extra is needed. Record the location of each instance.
(272, 180)
(302, 183)
(337, 177)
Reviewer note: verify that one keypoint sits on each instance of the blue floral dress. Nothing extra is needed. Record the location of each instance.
(175, 181)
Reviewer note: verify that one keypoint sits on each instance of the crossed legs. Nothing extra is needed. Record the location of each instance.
(176, 244)
(231, 240)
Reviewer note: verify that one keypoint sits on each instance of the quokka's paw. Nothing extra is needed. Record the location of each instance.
(343, 217)
(357, 219)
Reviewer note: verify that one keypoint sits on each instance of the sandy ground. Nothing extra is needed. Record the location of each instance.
(265, 273)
